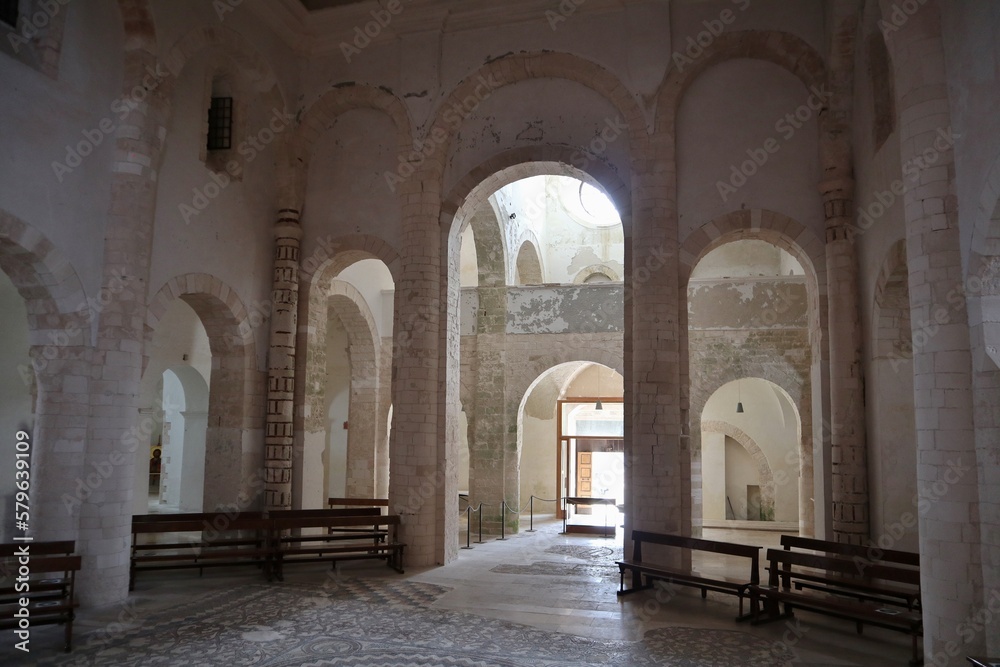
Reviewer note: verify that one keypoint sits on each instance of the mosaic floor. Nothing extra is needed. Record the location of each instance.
(540, 599)
(383, 623)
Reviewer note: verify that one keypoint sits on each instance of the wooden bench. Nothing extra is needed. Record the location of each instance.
(219, 539)
(357, 502)
(366, 537)
(347, 533)
(742, 587)
(859, 584)
(48, 589)
(787, 567)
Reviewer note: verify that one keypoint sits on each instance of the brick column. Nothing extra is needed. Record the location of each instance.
(278, 438)
(950, 550)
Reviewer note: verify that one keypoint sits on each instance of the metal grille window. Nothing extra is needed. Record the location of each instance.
(8, 12)
(220, 124)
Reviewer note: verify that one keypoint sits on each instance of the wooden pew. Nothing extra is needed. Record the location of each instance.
(366, 537)
(218, 539)
(343, 533)
(357, 502)
(742, 587)
(786, 568)
(50, 585)
(859, 584)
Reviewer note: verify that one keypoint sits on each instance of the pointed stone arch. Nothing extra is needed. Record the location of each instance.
(529, 265)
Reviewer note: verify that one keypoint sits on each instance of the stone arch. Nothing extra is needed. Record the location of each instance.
(59, 318)
(235, 389)
(344, 97)
(521, 384)
(529, 265)
(350, 308)
(780, 48)
(320, 294)
(758, 456)
(791, 236)
(59, 313)
(596, 269)
(473, 190)
(514, 68)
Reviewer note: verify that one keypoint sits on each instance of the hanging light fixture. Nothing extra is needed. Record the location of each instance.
(598, 405)
(739, 399)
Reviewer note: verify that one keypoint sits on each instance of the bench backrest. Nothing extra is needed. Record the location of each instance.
(327, 513)
(334, 522)
(38, 548)
(873, 555)
(195, 525)
(783, 562)
(698, 544)
(358, 502)
(193, 516)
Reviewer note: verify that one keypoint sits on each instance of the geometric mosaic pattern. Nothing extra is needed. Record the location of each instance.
(380, 623)
(551, 569)
(584, 552)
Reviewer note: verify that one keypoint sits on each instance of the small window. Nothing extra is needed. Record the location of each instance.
(8, 12)
(220, 124)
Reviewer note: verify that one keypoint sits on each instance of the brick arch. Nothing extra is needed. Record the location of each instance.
(783, 49)
(58, 311)
(758, 456)
(472, 190)
(321, 115)
(238, 50)
(350, 308)
(514, 68)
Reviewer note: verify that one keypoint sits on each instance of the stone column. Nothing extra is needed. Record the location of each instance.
(422, 479)
(490, 467)
(659, 463)
(278, 438)
(849, 457)
(60, 484)
(948, 492)
(120, 308)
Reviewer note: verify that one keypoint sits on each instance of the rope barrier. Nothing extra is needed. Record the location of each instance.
(504, 508)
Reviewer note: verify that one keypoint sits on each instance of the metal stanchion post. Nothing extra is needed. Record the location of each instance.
(468, 527)
(480, 510)
(531, 514)
(503, 520)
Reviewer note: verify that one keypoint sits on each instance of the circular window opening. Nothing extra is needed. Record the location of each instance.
(598, 206)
